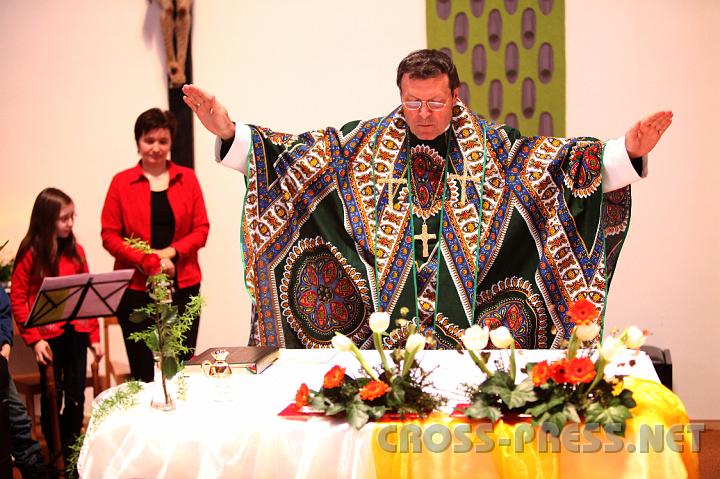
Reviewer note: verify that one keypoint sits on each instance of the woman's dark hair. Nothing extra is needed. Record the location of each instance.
(41, 237)
(152, 119)
(428, 63)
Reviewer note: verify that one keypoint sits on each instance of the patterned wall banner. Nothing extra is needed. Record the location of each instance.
(510, 55)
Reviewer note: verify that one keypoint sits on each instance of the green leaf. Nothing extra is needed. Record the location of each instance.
(480, 410)
(615, 415)
(558, 419)
(152, 341)
(571, 412)
(357, 416)
(334, 408)
(520, 395)
(170, 367)
(138, 317)
(398, 393)
(320, 403)
(626, 399)
(546, 406)
(498, 384)
(376, 412)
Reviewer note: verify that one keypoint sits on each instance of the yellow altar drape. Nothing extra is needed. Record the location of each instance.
(656, 444)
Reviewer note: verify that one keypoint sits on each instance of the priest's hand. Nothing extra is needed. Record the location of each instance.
(642, 137)
(211, 113)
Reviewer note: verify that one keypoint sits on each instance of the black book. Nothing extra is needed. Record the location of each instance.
(253, 358)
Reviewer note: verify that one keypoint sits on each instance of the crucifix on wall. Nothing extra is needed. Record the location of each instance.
(175, 22)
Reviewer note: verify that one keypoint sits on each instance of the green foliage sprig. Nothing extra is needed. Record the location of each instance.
(123, 399)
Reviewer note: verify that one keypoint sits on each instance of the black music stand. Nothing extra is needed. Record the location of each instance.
(65, 298)
(78, 296)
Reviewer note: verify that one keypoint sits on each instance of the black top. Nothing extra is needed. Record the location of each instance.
(162, 220)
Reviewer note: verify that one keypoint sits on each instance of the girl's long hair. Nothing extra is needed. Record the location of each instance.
(41, 238)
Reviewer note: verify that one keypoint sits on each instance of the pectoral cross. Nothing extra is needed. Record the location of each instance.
(464, 178)
(425, 237)
(394, 183)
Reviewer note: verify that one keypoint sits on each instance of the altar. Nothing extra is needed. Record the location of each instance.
(244, 435)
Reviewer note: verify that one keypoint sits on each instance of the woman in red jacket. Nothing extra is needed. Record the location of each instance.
(161, 203)
(50, 249)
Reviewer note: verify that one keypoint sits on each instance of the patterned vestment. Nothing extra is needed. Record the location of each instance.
(548, 235)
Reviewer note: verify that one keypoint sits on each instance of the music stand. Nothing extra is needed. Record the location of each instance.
(78, 296)
(65, 298)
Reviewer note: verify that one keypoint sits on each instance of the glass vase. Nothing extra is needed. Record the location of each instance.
(162, 396)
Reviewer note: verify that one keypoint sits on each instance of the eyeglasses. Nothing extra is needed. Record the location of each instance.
(417, 104)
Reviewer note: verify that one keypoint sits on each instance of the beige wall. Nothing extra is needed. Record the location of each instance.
(76, 74)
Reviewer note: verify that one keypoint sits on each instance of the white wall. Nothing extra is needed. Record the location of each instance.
(77, 73)
(271, 69)
(625, 60)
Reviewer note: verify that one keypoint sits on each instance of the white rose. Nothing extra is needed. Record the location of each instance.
(501, 337)
(379, 322)
(341, 342)
(611, 347)
(476, 338)
(634, 337)
(587, 332)
(415, 342)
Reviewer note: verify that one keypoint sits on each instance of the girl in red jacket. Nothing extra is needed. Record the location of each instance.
(49, 249)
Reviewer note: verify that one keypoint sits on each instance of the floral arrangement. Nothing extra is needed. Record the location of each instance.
(555, 393)
(400, 387)
(165, 337)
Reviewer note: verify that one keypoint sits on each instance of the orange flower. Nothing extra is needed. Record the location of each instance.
(334, 377)
(558, 370)
(540, 373)
(580, 370)
(301, 396)
(373, 389)
(583, 312)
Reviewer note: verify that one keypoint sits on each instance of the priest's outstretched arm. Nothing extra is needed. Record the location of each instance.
(618, 171)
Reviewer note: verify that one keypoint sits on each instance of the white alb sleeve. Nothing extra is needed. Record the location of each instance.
(618, 170)
(236, 157)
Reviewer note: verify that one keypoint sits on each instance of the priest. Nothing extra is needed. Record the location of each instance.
(429, 213)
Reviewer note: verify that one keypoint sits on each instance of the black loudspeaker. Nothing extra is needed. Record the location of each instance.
(663, 363)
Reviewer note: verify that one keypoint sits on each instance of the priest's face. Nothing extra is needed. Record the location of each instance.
(436, 99)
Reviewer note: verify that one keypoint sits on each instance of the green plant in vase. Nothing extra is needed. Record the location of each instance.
(165, 338)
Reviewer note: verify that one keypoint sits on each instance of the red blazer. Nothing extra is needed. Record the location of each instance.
(24, 290)
(126, 214)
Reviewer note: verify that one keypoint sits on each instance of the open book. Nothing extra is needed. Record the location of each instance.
(253, 358)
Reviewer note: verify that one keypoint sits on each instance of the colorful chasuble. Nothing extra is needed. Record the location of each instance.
(548, 235)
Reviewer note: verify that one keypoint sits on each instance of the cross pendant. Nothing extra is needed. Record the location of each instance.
(425, 237)
(394, 183)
